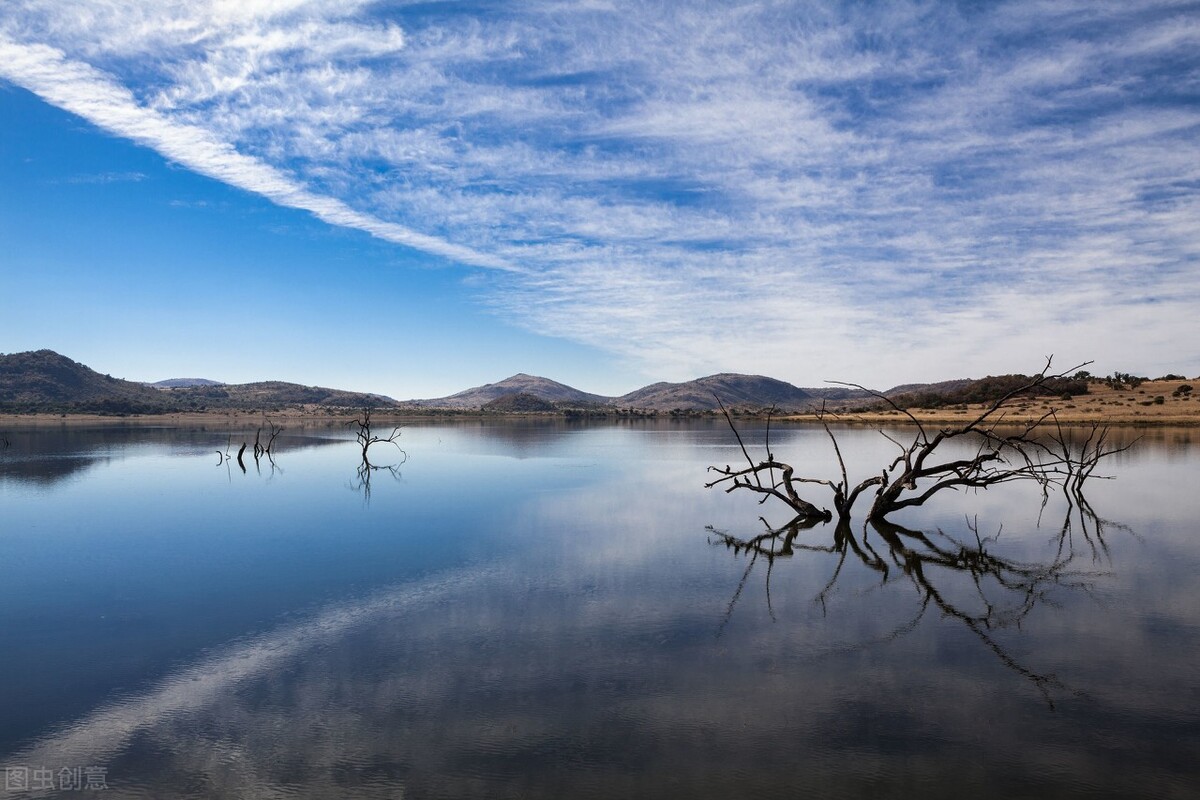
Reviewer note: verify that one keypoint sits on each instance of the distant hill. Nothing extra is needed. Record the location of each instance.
(741, 391)
(46, 382)
(542, 388)
(184, 383)
(289, 394)
(983, 390)
(43, 380)
(518, 403)
(941, 387)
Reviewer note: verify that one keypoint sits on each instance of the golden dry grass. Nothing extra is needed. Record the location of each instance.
(1101, 404)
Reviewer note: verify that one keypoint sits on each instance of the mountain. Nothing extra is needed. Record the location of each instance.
(755, 391)
(541, 388)
(741, 391)
(183, 383)
(46, 382)
(942, 387)
(43, 380)
(281, 393)
(518, 403)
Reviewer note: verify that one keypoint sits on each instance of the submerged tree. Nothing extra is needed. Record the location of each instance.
(1041, 450)
(366, 438)
(261, 448)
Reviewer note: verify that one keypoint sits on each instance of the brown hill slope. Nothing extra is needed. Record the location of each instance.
(754, 391)
(542, 388)
(44, 381)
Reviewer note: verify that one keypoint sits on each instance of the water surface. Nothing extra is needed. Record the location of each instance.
(551, 610)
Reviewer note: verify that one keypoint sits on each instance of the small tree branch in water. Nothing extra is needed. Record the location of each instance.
(751, 477)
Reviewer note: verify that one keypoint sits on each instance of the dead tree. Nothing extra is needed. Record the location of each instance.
(1040, 450)
(267, 449)
(752, 477)
(366, 437)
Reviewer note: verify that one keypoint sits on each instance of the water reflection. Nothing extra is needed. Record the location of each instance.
(158, 736)
(1001, 590)
(538, 621)
(48, 454)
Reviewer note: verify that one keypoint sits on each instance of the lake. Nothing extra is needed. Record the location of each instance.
(547, 609)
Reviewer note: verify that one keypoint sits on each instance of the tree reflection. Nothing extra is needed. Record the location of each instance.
(1002, 591)
(366, 438)
(362, 477)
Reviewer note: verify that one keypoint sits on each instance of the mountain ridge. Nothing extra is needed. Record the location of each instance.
(45, 381)
(522, 383)
(734, 389)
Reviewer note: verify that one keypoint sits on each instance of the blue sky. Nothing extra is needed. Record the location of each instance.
(413, 198)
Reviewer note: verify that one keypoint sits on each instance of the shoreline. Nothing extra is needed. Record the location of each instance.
(1158, 403)
(857, 419)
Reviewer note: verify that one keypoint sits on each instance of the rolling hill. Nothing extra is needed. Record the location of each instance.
(742, 391)
(753, 391)
(44, 381)
(532, 385)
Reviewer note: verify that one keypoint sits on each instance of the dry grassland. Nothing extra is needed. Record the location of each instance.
(1140, 406)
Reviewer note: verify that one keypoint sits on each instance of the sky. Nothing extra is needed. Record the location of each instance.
(413, 198)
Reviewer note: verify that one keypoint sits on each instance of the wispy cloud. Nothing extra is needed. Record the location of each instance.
(810, 190)
(85, 90)
(106, 177)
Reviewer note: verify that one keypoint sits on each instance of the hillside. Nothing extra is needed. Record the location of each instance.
(1161, 401)
(981, 390)
(294, 394)
(541, 388)
(741, 391)
(735, 391)
(47, 382)
(518, 403)
(43, 380)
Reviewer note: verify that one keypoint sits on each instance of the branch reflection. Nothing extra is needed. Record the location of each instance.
(1003, 591)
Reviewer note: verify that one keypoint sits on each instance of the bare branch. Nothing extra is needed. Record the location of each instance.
(1040, 450)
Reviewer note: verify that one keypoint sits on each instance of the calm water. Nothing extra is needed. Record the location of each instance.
(546, 610)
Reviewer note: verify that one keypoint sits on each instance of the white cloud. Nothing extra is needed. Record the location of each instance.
(88, 92)
(803, 190)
